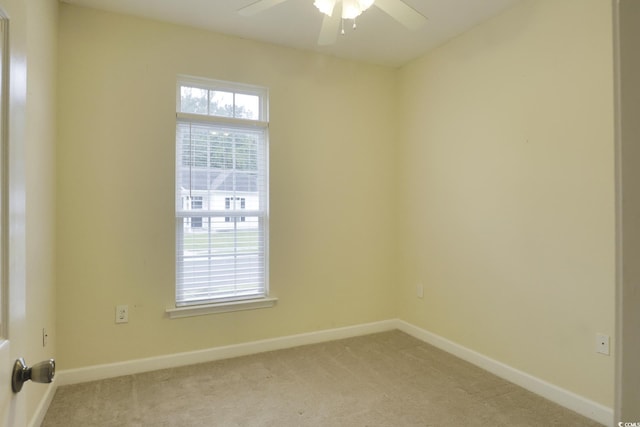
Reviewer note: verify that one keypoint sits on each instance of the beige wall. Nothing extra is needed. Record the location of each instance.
(332, 150)
(507, 178)
(39, 152)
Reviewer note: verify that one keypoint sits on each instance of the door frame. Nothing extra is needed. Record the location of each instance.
(626, 36)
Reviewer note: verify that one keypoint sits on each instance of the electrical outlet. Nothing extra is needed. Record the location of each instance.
(45, 337)
(122, 314)
(602, 344)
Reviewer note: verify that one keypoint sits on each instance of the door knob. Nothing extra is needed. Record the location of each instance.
(42, 372)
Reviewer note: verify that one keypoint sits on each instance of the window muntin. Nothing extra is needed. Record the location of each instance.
(221, 169)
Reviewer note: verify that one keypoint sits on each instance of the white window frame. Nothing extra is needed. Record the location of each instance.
(259, 300)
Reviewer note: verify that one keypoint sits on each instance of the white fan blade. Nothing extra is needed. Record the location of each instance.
(329, 30)
(258, 7)
(402, 12)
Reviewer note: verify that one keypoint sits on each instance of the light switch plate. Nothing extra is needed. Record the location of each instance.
(122, 314)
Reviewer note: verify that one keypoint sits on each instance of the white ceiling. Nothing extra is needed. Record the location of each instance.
(296, 23)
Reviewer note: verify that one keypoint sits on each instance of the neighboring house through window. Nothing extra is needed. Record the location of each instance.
(196, 204)
(221, 192)
(233, 201)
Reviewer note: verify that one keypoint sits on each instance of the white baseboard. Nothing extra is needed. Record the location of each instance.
(98, 372)
(568, 399)
(43, 406)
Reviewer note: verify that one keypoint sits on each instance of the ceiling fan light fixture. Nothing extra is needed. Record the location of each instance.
(351, 9)
(325, 6)
(332, 24)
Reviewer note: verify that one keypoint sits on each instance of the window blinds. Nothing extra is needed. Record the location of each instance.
(221, 210)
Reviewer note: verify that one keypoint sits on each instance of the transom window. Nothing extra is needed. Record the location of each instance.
(221, 192)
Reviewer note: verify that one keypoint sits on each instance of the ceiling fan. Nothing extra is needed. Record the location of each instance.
(348, 10)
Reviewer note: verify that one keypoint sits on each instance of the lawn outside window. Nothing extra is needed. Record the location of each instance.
(221, 197)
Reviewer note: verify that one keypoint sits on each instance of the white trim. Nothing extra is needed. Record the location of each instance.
(98, 372)
(220, 120)
(4, 175)
(223, 307)
(183, 213)
(43, 406)
(566, 398)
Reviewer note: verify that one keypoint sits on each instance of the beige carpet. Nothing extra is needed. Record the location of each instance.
(386, 379)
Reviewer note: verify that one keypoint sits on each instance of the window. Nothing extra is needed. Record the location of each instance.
(227, 205)
(221, 174)
(196, 203)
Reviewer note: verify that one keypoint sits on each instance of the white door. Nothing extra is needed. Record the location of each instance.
(12, 236)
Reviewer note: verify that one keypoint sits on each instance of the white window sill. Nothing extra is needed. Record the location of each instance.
(223, 307)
